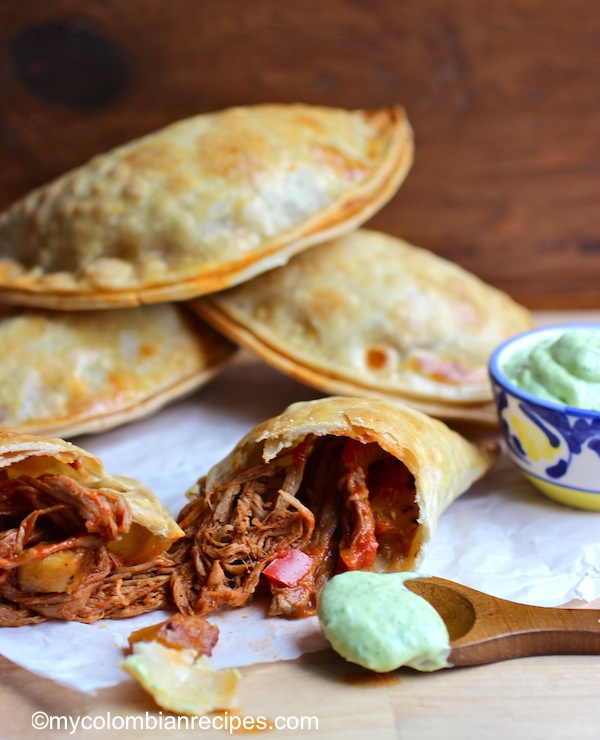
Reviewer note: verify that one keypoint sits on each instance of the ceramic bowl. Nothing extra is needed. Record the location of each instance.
(556, 446)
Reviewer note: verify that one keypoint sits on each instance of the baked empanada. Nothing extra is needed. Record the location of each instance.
(369, 314)
(66, 373)
(200, 205)
(77, 543)
(329, 485)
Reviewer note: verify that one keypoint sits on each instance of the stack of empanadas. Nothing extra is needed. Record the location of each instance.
(227, 198)
(201, 205)
(248, 218)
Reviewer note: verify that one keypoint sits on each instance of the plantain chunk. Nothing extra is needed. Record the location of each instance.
(60, 572)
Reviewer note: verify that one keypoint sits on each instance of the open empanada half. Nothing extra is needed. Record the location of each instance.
(200, 205)
(66, 373)
(77, 543)
(329, 485)
(370, 314)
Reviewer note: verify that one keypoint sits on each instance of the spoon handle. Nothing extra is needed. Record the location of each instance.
(504, 630)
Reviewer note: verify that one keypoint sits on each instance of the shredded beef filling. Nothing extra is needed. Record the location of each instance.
(339, 501)
(55, 534)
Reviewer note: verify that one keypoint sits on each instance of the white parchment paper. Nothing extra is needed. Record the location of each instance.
(502, 537)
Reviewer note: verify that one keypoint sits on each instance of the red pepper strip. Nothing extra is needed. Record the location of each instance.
(392, 489)
(289, 567)
(361, 551)
(301, 450)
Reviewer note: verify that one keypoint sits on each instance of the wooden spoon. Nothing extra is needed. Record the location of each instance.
(486, 629)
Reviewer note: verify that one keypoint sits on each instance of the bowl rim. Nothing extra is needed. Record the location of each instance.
(498, 376)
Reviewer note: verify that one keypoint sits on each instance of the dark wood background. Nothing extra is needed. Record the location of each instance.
(504, 98)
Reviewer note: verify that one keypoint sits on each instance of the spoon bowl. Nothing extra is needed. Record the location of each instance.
(487, 629)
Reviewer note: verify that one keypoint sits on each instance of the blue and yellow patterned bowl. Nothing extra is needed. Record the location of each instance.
(556, 446)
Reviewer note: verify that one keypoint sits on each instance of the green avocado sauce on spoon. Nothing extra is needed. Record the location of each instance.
(372, 619)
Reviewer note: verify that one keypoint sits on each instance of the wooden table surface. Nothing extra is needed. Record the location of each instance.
(544, 697)
(502, 95)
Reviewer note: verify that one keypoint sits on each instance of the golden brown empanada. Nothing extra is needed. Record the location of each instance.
(198, 206)
(68, 373)
(369, 314)
(329, 485)
(77, 543)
